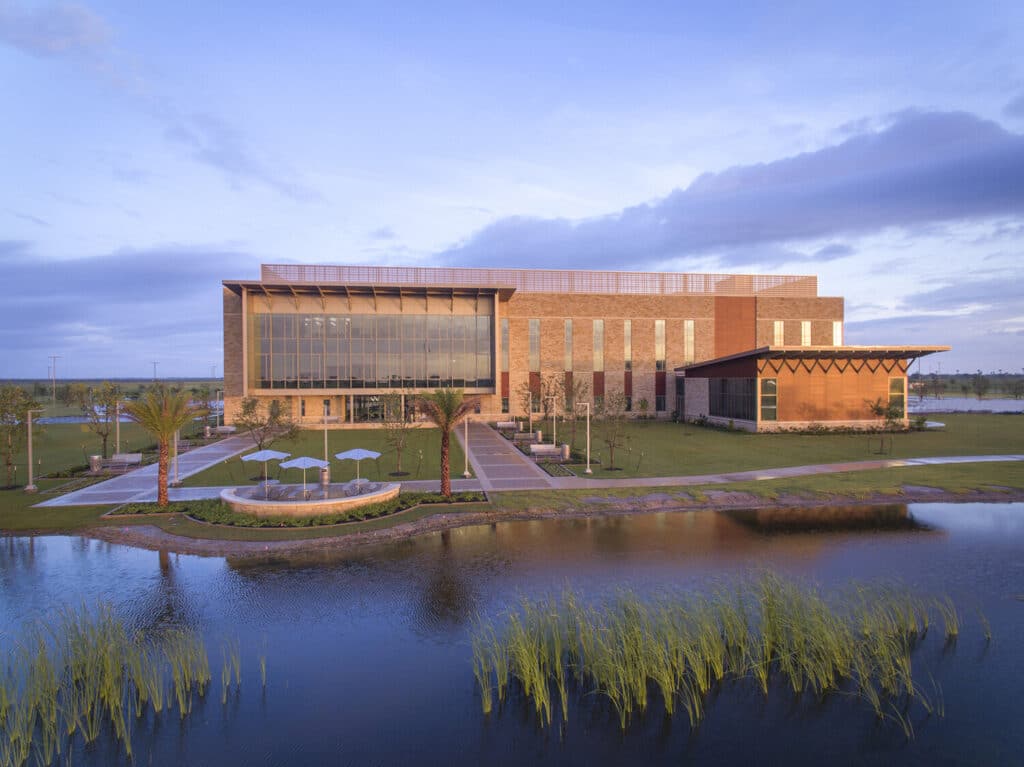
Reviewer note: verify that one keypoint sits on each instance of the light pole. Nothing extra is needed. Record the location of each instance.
(554, 422)
(154, 363)
(220, 408)
(325, 432)
(587, 405)
(30, 487)
(117, 427)
(53, 377)
(465, 450)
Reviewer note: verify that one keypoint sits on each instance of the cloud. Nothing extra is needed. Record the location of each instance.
(60, 29)
(28, 217)
(1015, 107)
(383, 233)
(213, 142)
(114, 312)
(924, 168)
(1000, 291)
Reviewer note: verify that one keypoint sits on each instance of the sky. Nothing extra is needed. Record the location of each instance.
(149, 151)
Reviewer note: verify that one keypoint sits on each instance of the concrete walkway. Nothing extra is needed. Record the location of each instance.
(497, 464)
(140, 485)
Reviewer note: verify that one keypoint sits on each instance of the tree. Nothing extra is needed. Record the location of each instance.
(611, 424)
(162, 411)
(891, 413)
(574, 394)
(265, 425)
(205, 396)
(526, 397)
(446, 408)
(398, 426)
(979, 384)
(99, 406)
(15, 403)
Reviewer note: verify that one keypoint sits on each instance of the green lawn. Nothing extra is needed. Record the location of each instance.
(661, 449)
(60, 446)
(421, 459)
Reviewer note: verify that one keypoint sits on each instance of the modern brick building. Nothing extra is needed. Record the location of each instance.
(331, 340)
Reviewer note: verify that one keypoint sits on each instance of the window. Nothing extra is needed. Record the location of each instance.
(627, 343)
(659, 345)
(778, 333)
(659, 403)
(504, 404)
(598, 403)
(628, 404)
(598, 346)
(805, 333)
(897, 394)
(568, 345)
(837, 333)
(534, 346)
(769, 399)
(327, 408)
(732, 398)
(302, 408)
(688, 350)
(504, 344)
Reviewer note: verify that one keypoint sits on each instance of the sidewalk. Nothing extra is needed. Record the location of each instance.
(140, 485)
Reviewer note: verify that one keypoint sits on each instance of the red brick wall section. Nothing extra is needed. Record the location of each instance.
(735, 325)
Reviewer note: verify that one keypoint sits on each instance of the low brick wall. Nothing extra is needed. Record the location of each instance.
(272, 508)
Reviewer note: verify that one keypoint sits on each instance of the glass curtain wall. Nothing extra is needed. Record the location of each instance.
(370, 351)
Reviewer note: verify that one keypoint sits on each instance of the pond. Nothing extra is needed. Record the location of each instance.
(369, 658)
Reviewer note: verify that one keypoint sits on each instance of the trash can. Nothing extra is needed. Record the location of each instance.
(95, 464)
(540, 436)
(565, 451)
(207, 432)
(325, 476)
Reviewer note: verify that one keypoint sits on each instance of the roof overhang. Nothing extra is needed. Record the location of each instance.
(821, 353)
(321, 289)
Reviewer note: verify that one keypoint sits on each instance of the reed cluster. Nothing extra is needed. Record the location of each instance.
(767, 630)
(84, 675)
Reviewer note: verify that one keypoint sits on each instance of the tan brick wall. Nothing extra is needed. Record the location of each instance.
(822, 312)
(232, 344)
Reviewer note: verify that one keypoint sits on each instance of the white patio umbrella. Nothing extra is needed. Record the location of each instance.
(263, 456)
(356, 454)
(304, 462)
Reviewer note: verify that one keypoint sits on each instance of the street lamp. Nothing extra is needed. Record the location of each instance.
(554, 426)
(117, 427)
(465, 451)
(587, 405)
(30, 487)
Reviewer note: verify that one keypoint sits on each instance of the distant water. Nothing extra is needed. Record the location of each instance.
(964, 405)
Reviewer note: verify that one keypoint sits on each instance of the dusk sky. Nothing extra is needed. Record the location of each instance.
(149, 151)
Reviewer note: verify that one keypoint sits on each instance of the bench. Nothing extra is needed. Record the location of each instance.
(119, 463)
(546, 452)
(506, 426)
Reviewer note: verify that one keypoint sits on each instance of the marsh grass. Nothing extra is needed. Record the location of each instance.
(769, 631)
(84, 676)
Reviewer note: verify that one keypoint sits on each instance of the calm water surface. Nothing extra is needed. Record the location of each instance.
(369, 660)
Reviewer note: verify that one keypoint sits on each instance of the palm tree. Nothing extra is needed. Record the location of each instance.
(162, 411)
(446, 408)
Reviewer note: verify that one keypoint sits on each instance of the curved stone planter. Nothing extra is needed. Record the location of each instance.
(260, 507)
